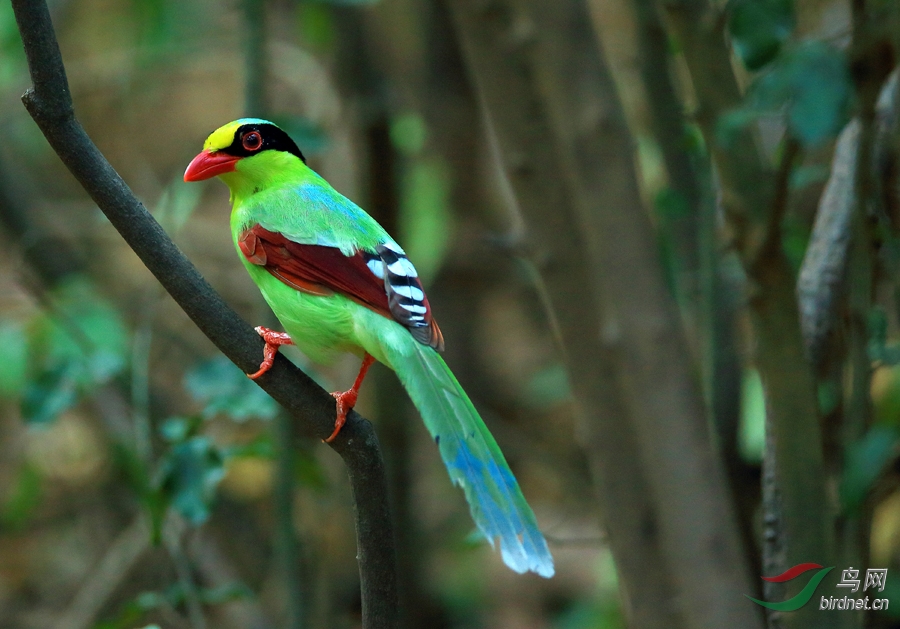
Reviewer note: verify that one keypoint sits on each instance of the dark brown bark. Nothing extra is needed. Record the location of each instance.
(568, 156)
(798, 512)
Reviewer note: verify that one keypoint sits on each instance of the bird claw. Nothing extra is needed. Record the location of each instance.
(273, 340)
(345, 401)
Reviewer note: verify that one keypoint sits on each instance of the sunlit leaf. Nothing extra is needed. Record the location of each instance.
(408, 133)
(752, 436)
(758, 29)
(316, 25)
(224, 388)
(886, 395)
(425, 219)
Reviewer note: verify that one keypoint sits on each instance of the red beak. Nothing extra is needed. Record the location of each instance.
(209, 164)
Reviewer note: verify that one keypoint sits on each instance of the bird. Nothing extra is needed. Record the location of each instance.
(337, 282)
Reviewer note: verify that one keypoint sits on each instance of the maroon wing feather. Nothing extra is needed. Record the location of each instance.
(322, 270)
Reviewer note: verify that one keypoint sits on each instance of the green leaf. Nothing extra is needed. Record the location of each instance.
(224, 388)
(83, 327)
(14, 366)
(12, 56)
(808, 175)
(225, 593)
(23, 499)
(821, 91)
(177, 429)
(887, 399)
(191, 472)
(80, 344)
(671, 204)
(347, 3)
(425, 217)
(408, 133)
(828, 396)
(758, 29)
(809, 84)
(316, 25)
(866, 459)
(548, 386)
(752, 436)
(794, 239)
(52, 392)
(877, 326)
(261, 447)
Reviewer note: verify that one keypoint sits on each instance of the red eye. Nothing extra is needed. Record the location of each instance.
(252, 141)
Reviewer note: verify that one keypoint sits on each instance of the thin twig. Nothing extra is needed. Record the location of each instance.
(108, 574)
(175, 532)
(50, 105)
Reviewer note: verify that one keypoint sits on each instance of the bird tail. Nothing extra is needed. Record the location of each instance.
(474, 460)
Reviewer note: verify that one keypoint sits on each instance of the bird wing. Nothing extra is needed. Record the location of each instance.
(384, 281)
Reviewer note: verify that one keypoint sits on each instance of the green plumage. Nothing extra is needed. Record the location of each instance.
(276, 190)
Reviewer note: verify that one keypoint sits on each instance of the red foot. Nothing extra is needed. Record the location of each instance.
(347, 399)
(273, 340)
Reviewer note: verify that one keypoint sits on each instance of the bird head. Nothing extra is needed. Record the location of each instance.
(248, 151)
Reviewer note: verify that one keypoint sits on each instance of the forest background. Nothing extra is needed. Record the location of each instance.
(661, 239)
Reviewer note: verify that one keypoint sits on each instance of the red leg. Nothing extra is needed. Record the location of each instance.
(273, 340)
(347, 399)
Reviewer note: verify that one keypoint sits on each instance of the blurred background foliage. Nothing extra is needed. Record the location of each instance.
(144, 480)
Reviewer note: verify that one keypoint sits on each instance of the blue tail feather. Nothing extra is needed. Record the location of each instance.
(474, 461)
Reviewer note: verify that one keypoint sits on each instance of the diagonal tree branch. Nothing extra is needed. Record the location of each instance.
(50, 104)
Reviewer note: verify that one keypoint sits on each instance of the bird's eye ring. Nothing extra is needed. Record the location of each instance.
(252, 141)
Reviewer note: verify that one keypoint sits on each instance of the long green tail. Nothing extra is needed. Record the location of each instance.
(474, 461)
